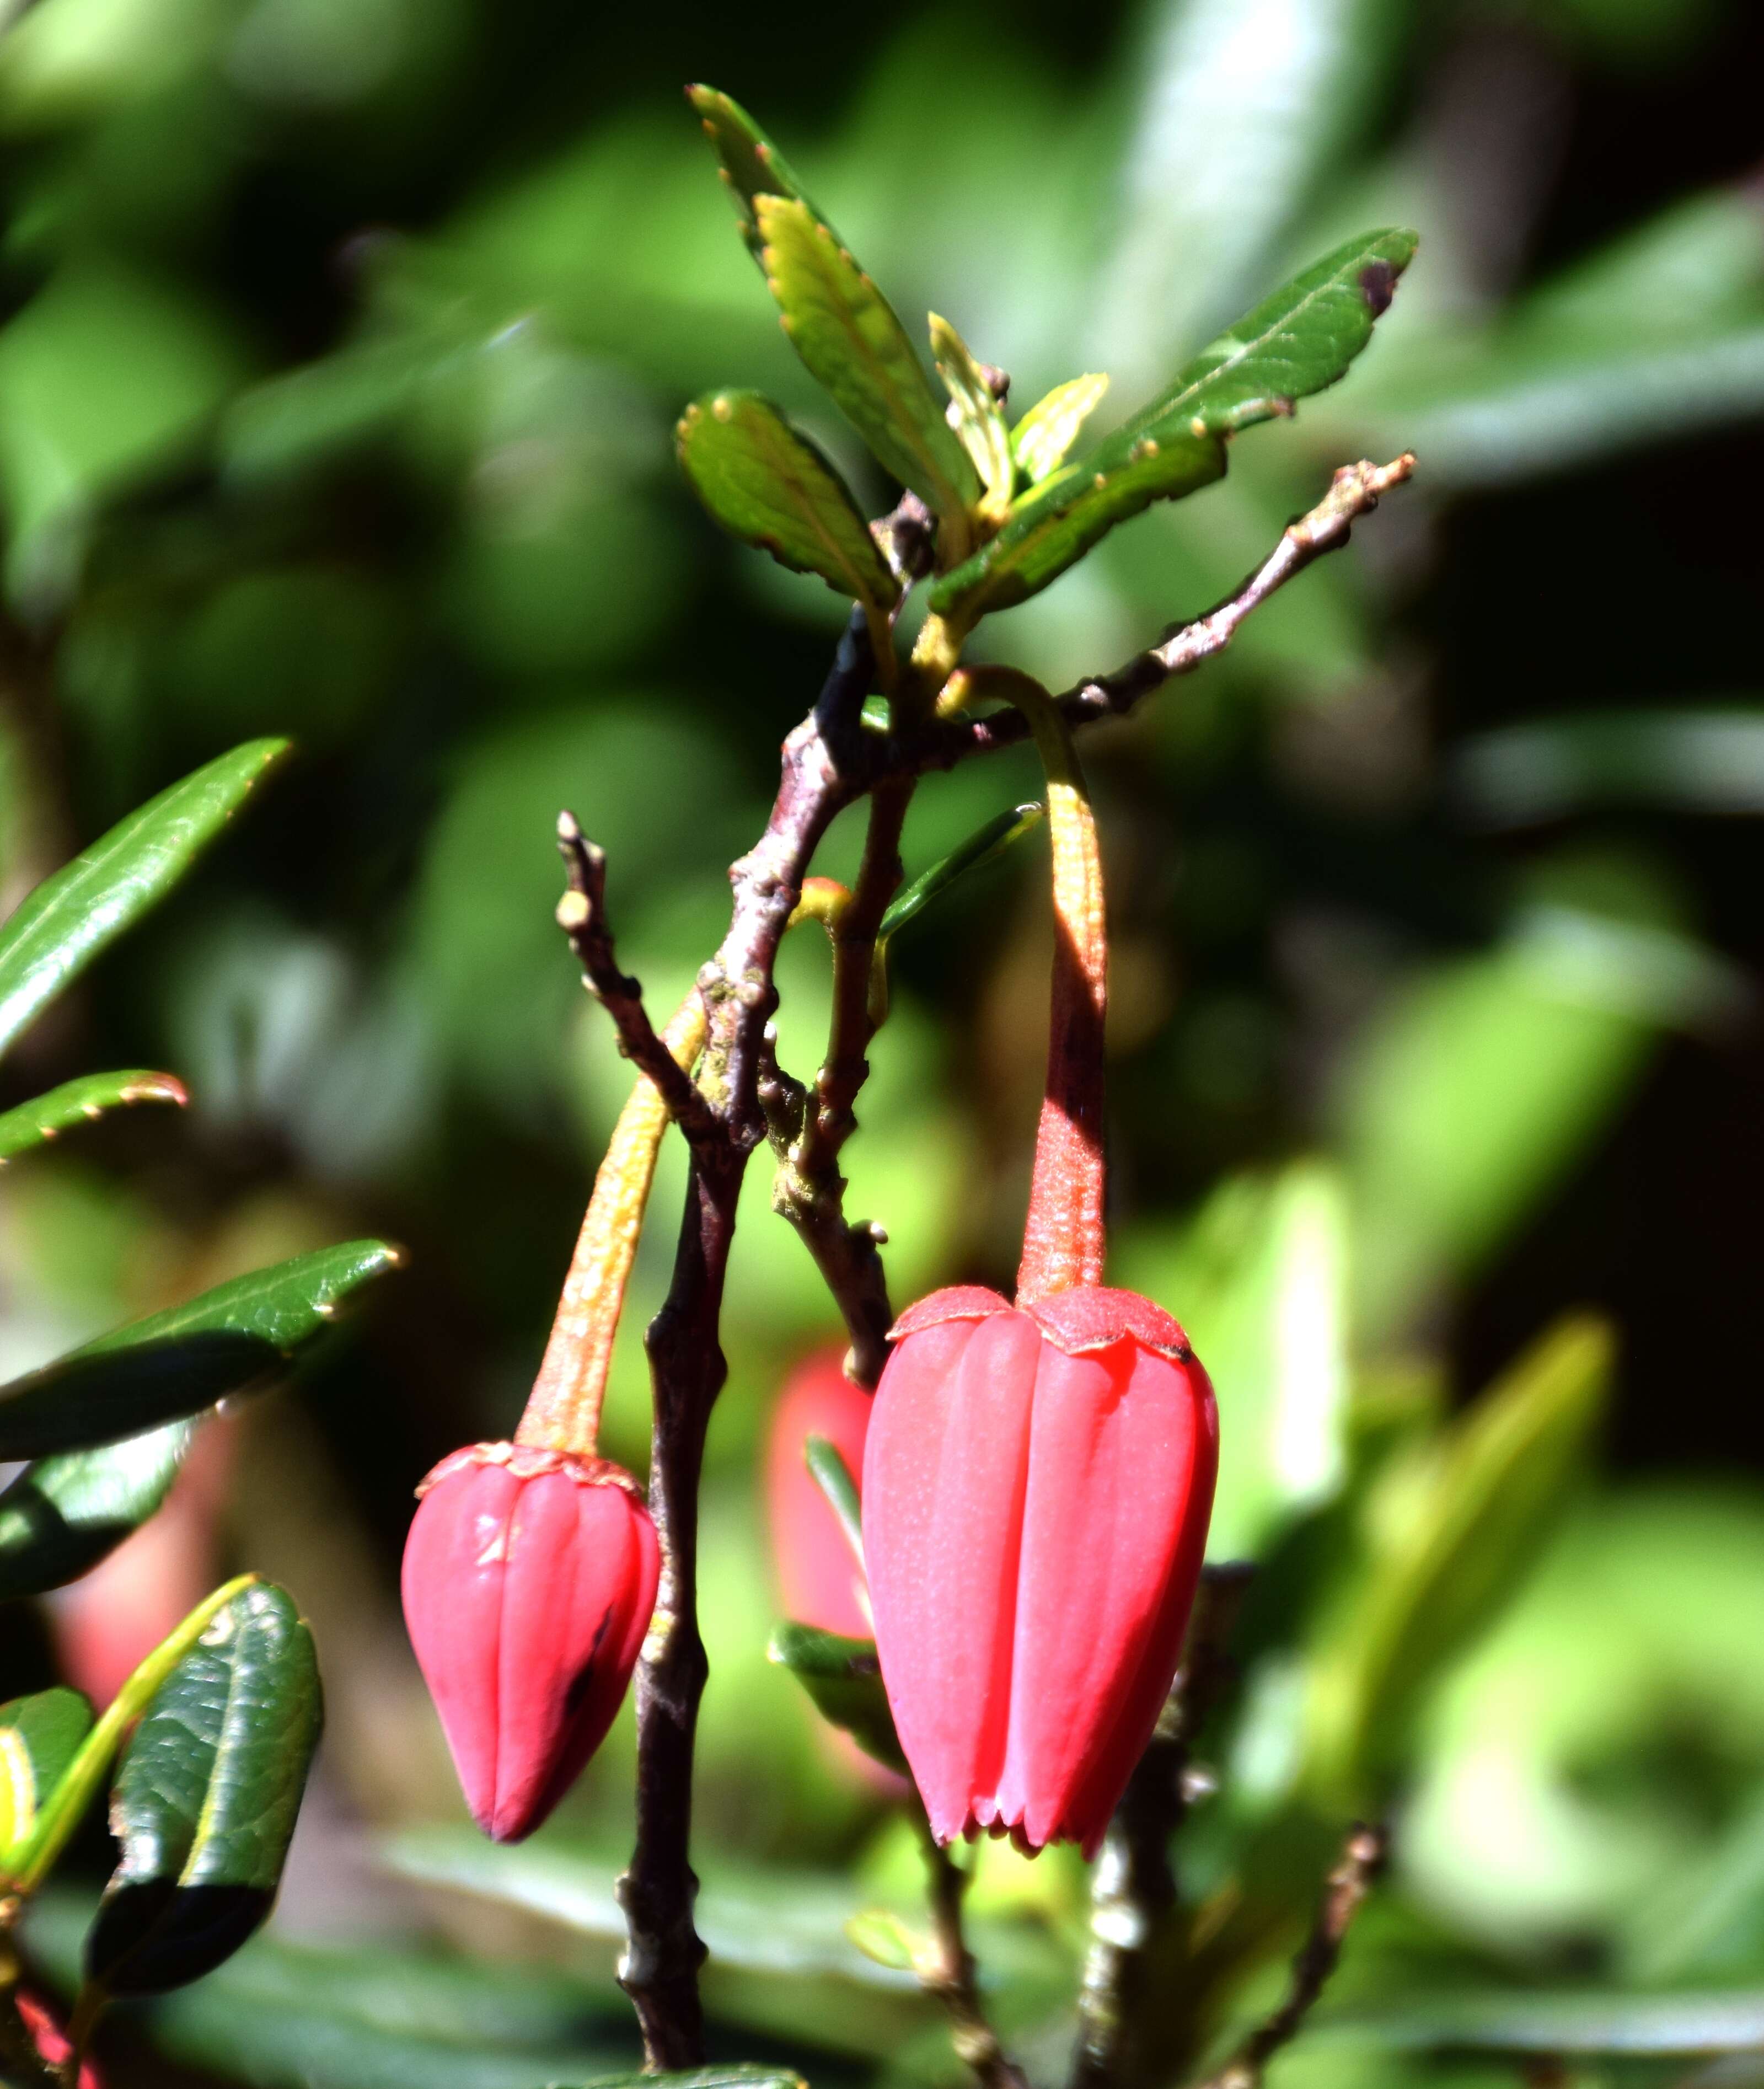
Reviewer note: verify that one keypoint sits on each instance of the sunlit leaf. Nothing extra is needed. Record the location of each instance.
(846, 332)
(78, 1102)
(979, 422)
(1298, 341)
(62, 926)
(844, 1679)
(833, 1476)
(60, 1516)
(1040, 440)
(175, 1363)
(204, 1803)
(40, 1736)
(767, 484)
(750, 164)
(985, 842)
(1453, 1535)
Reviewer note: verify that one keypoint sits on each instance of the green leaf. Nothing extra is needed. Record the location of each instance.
(883, 1937)
(985, 842)
(1294, 343)
(846, 332)
(844, 1679)
(39, 1738)
(78, 1102)
(1455, 1529)
(1576, 2022)
(61, 927)
(176, 1363)
(59, 1813)
(979, 423)
(1708, 761)
(752, 166)
(205, 1802)
(60, 1516)
(770, 484)
(828, 1469)
(1040, 440)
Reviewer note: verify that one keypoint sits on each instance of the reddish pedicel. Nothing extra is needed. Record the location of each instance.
(530, 1576)
(47, 2035)
(1036, 1489)
(819, 1580)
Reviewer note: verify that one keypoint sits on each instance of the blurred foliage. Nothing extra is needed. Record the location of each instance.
(341, 350)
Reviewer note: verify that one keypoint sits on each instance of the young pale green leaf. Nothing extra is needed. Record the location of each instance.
(884, 1938)
(205, 1802)
(844, 1679)
(846, 332)
(979, 423)
(750, 164)
(62, 926)
(1294, 343)
(985, 842)
(1040, 440)
(829, 1471)
(1453, 1536)
(39, 1738)
(766, 483)
(60, 1517)
(175, 1363)
(78, 1102)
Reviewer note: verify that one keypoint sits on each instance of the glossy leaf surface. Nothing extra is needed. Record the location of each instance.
(78, 1102)
(63, 925)
(846, 332)
(979, 423)
(1297, 342)
(40, 1736)
(770, 484)
(205, 1802)
(985, 842)
(843, 1677)
(1040, 440)
(175, 1363)
(60, 1516)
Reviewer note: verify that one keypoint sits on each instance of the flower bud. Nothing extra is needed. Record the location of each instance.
(819, 1580)
(1037, 1484)
(529, 1576)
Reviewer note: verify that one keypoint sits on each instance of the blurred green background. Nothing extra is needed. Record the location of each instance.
(343, 343)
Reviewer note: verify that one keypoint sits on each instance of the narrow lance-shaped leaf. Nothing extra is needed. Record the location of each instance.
(979, 423)
(843, 1677)
(1465, 1527)
(175, 1363)
(78, 1102)
(751, 165)
(1040, 440)
(60, 1516)
(63, 925)
(40, 1736)
(985, 842)
(1294, 343)
(205, 1803)
(767, 484)
(833, 1476)
(846, 332)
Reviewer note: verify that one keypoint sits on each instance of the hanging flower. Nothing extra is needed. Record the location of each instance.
(1039, 1477)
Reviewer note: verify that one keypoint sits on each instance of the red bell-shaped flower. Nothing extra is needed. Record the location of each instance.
(1039, 1477)
(529, 1576)
(1037, 1488)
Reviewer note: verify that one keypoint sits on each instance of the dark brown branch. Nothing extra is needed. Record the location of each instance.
(948, 1972)
(1134, 1892)
(1363, 1859)
(581, 914)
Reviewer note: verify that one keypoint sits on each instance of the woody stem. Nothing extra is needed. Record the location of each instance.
(1063, 1239)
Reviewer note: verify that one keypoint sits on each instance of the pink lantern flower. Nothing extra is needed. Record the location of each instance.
(1039, 1477)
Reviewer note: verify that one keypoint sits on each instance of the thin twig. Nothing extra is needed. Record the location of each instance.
(1133, 1892)
(581, 914)
(947, 1971)
(1363, 1859)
